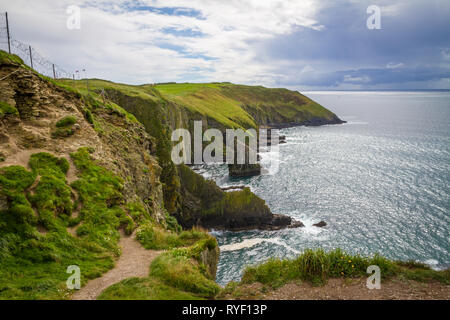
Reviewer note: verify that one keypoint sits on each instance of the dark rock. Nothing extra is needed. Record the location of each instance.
(244, 170)
(320, 224)
(232, 188)
(296, 224)
(280, 220)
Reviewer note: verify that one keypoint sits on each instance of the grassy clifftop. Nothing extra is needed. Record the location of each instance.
(247, 106)
(230, 105)
(317, 274)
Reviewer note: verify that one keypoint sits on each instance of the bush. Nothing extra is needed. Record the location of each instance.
(66, 121)
(6, 109)
(181, 273)
(62, 133)
(152, 236)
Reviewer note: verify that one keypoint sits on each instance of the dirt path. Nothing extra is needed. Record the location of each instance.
(133, 262)
(349, 289)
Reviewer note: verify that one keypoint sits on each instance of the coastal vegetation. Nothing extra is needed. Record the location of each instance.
(83, 165)
(317, 266)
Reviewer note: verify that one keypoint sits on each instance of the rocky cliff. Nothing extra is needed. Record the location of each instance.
(78, 163)
(162, 108)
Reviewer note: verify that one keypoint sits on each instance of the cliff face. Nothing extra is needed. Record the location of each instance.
(141, 155)
(119, 142)
(164, 107)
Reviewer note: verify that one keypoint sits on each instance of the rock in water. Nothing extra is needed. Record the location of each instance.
(320, 224)
(296, 224)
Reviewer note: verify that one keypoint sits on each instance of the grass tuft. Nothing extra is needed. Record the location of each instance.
(316, 266)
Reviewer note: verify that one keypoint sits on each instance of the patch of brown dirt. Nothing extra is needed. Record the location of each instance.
(20, 158)
(134, 262)
(347, 289)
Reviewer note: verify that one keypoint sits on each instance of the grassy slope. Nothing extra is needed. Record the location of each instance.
(316, 266)
(36, 247)
(35, 244)
(233, 106)
(178, 274)
(39, 207)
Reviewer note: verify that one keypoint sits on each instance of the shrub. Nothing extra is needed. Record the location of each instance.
(66, 121)
(6, 109)
(152, 236)
(183, 274)
(62, 133)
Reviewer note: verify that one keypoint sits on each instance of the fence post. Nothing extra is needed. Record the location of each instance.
(54, 73)
(31, 57)
(7, 32)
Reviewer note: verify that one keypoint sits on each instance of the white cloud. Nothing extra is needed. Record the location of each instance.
(445, 54)
(267, 42)
(393, 65)
(134, 46)
(351, 79)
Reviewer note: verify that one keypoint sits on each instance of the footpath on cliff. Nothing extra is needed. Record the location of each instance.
(134, 261)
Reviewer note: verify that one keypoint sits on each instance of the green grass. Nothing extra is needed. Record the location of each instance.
(208, 100)
(35, 247)
(178, 274)
(181, 273)
(6, 109)
(8, 58)
(156, 237)
(316, 266)
(145, 289)
(64, 127)
(101, 194)
(66, 121)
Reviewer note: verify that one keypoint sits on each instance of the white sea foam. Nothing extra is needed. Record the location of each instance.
(355, 122)
(432, 263)
(248, 243)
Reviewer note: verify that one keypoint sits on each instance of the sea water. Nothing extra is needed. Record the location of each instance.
(380, 182)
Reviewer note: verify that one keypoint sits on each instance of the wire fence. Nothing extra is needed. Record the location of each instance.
(27, 53)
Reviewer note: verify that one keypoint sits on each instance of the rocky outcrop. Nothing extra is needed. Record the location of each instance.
(205, 204)
(320, 224)
(281, 221)
(209, 257)
(119, 143)
(244, 170)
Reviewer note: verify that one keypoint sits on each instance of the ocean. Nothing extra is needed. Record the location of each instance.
(380, 182)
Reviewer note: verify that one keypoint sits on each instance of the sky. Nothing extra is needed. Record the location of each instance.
(300, 45)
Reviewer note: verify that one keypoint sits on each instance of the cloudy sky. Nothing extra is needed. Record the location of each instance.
(302, 44)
